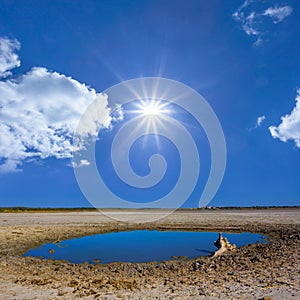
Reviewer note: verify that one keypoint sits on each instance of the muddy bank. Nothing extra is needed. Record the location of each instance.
(251, 272)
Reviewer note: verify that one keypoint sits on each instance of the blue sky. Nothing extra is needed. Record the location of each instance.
(56, 57)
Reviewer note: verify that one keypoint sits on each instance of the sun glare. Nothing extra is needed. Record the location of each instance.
(151, 109)
(152, 113)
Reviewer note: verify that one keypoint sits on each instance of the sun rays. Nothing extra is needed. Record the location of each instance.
(152, 115)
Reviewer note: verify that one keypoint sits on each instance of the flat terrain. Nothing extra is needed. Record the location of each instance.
(251, 272)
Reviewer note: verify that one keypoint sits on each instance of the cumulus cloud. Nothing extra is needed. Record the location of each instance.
(289, 128)
(39, 112)
(8, 58)
(251, 16)
(259, 121)
(82, 163)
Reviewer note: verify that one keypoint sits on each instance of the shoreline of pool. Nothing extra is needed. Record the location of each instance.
(201, 277)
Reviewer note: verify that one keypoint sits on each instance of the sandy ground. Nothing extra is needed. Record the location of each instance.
(252, 272)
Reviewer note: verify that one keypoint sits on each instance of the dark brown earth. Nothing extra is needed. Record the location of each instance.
(252, 272)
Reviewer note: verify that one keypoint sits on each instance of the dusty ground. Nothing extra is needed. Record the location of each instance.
(252, 272)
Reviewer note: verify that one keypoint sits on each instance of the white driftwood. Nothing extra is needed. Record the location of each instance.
(223, 245)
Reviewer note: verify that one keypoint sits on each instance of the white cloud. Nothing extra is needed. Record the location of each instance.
(278, 14)
(82, 163)
(8, 58)
(259, 121)
(39, 112)
(289, 128)
(252, 18)
(247, 20)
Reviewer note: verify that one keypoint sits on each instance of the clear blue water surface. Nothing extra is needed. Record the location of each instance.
(139, 246)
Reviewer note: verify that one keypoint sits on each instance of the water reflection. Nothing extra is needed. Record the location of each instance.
(139, 246)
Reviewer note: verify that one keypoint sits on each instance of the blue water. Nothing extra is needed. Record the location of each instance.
(138, 246)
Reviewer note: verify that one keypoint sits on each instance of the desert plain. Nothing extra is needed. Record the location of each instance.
(254, 271)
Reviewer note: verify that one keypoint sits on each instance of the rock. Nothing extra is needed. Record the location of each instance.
(223, 245)
(61, 292)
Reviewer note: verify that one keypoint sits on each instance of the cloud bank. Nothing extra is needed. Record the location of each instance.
(39, 112)
(251, 16)
(289, 128)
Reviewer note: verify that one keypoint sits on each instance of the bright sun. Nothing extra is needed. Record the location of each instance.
(151, 109)
(152, 113)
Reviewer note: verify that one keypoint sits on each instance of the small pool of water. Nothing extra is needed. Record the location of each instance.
(139, 246)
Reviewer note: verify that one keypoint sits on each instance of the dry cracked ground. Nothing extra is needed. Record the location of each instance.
(257, 271)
